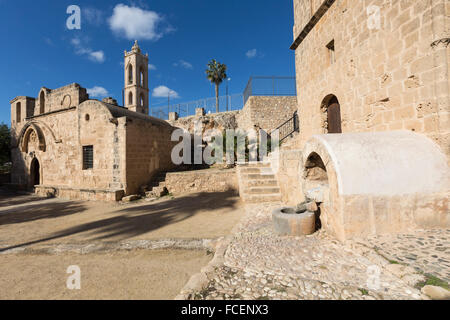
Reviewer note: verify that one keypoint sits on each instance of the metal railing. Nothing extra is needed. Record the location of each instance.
(270, 86)
(226, 103)
(256, 86)
(289, 127)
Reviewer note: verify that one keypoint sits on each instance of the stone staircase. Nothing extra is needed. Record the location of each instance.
(257, 183)
(157, 187)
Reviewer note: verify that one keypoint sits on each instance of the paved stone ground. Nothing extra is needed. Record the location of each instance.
(427, 251)
(262, 265)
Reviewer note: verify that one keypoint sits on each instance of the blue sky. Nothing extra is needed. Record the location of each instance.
(252, 37)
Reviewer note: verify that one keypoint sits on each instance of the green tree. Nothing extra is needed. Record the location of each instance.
(5, 142)
(216, 73)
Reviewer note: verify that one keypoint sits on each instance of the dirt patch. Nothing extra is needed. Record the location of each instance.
(138, 274)
(194, 216)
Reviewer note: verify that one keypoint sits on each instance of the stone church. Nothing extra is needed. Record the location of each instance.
(67, 144)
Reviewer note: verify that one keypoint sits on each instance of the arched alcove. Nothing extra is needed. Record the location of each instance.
(130, 74)
(130, 98)
(142, 78)
(316, 181)
(32, 138)
(18, 112)
(42, 102)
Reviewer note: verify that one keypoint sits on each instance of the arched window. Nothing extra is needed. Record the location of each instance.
(130, 98)
(332, 114)
(130, 74)
(42, 102)
(18, 112)
(142, 100)
(142, 78)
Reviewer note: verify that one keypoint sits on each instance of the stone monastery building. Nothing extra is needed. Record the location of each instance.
(373, 101)
(63, 141)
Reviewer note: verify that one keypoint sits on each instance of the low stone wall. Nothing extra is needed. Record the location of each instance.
(79, 194)
(210, 180)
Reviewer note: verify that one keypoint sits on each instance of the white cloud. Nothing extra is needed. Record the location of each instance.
(183, 64)
(135, 23)
(98, 92)
(80, 49)
(151, 67)
(97, 56)
(251, 53)
(164, 92)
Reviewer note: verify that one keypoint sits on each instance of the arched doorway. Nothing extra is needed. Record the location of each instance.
(35, 173)
(332, 114)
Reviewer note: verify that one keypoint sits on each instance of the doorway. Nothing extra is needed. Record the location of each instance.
(334, 116)
(35, 173)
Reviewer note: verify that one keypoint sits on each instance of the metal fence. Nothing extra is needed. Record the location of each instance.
(256, 86)
(226, 103)
(270, 86)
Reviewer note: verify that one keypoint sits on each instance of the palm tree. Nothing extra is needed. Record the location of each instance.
(216, 73)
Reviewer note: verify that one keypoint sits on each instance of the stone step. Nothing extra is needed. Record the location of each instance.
(262, 190)
(254, 165)
(257, 176)
(260, 183)
(262, 198)
(161, 183)
(251, 170)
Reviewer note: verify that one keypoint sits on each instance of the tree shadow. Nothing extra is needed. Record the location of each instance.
(140, 219)
(39, 211)
(9, 197)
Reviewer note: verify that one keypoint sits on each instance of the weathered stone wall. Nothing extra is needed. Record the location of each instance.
(210, 180)
(61, 98)
(267, 113)
(393, 78)
(148, 151)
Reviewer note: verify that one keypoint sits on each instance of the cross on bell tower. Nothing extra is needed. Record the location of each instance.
(136, 80)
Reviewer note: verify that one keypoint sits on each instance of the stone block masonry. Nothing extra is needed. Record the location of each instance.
(392, 78)
(210, 180)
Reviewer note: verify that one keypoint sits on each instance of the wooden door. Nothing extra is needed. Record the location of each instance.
(334, 118)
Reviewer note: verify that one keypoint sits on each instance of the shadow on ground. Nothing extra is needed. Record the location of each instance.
(137, 220)
(38, 211)
(10, 197)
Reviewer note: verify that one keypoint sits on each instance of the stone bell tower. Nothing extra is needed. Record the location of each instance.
(136, 92)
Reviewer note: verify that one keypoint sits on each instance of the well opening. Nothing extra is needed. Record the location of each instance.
(316, 183)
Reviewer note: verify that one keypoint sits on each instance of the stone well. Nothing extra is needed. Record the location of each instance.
(376, 183)
(288, 222)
